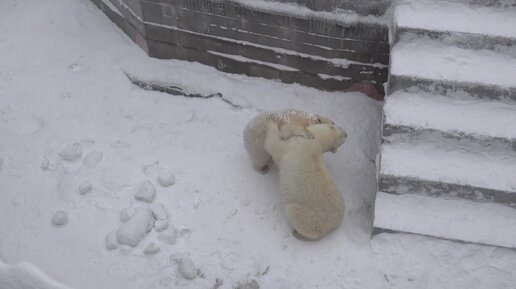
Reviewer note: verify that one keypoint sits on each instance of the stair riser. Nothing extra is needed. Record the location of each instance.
(481, 91)
(402, 185)
(404, 134)
(378, 230)
(459, 39)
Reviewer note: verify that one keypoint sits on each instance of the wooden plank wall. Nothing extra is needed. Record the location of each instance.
(235, 38)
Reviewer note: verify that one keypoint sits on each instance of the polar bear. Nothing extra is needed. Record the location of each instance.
(254, 132)
(313, 204)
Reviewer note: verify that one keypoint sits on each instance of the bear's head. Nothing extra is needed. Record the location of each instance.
(329, 136)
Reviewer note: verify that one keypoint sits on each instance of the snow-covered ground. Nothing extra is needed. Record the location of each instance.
(76, 136)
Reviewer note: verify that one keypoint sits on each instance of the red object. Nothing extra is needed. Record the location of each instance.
(366, 88)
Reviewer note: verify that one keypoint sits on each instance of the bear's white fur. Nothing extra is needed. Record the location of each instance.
(254, 132)
(313, 204)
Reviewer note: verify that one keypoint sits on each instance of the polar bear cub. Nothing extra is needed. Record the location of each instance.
(254, 132)
(313, 204)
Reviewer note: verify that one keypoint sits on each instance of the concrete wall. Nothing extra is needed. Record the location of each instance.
(330, 54)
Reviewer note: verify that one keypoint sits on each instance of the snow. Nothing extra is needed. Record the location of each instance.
(63, 81)
(45, 164)
(85, 188)
(186, 267)
(161, 225)
(151, 249)
(245, 59)
(451, 114)
(24, 275)
(456, 17)
(72, 152)
(482, 223)
(111, 241)
(432, 162)
(339, 16)
(428, 59)
(166, 179)
(126, 214)
(169, 236)
(145, 192)
(160, 211)
(93, 159)
(136, 228)
(60, 218)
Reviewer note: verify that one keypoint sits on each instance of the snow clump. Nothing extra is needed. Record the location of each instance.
(166, 179)
(152, 248)
(111, 242)
(136, 228)
(186, 267)
(85, 188)
(146, 192)
(71, 152)
(60, 218)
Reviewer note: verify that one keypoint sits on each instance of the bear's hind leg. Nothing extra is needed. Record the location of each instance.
(304, 222)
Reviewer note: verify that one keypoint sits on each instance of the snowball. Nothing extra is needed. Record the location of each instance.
(166, 179)
(85, 188)
(60, 218)
(111, 242)
(186, 267)
(146, 192)
(135, 229)
(72, 152)
(127, 214)
(93, 159)
(169, 236)
(152, 248)
(160, 211)
(45, 164)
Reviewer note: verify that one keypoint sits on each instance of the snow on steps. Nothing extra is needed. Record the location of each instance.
(437, 169)
(459, 119)
(460, 220)
(459, 23)
(434, 66)
(448, 160)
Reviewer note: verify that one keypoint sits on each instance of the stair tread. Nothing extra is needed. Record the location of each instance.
(430, 59)
(458, 17)
(463, 220)
(454, 165)
(473, 116)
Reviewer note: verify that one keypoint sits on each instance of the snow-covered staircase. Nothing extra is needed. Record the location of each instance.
(448, 160)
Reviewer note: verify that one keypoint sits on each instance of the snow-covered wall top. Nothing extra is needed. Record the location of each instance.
(362, 7)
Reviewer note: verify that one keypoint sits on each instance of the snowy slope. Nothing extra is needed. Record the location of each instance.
(62, 86)
(26, 276)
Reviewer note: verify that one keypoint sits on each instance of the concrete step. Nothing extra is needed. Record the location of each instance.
(448, 169)
(459, 24)
(453, 17)
(458, 220)
(435, 67)
(458, 116)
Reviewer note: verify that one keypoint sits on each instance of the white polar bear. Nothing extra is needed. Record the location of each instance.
(254, 132)
(313, 204)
